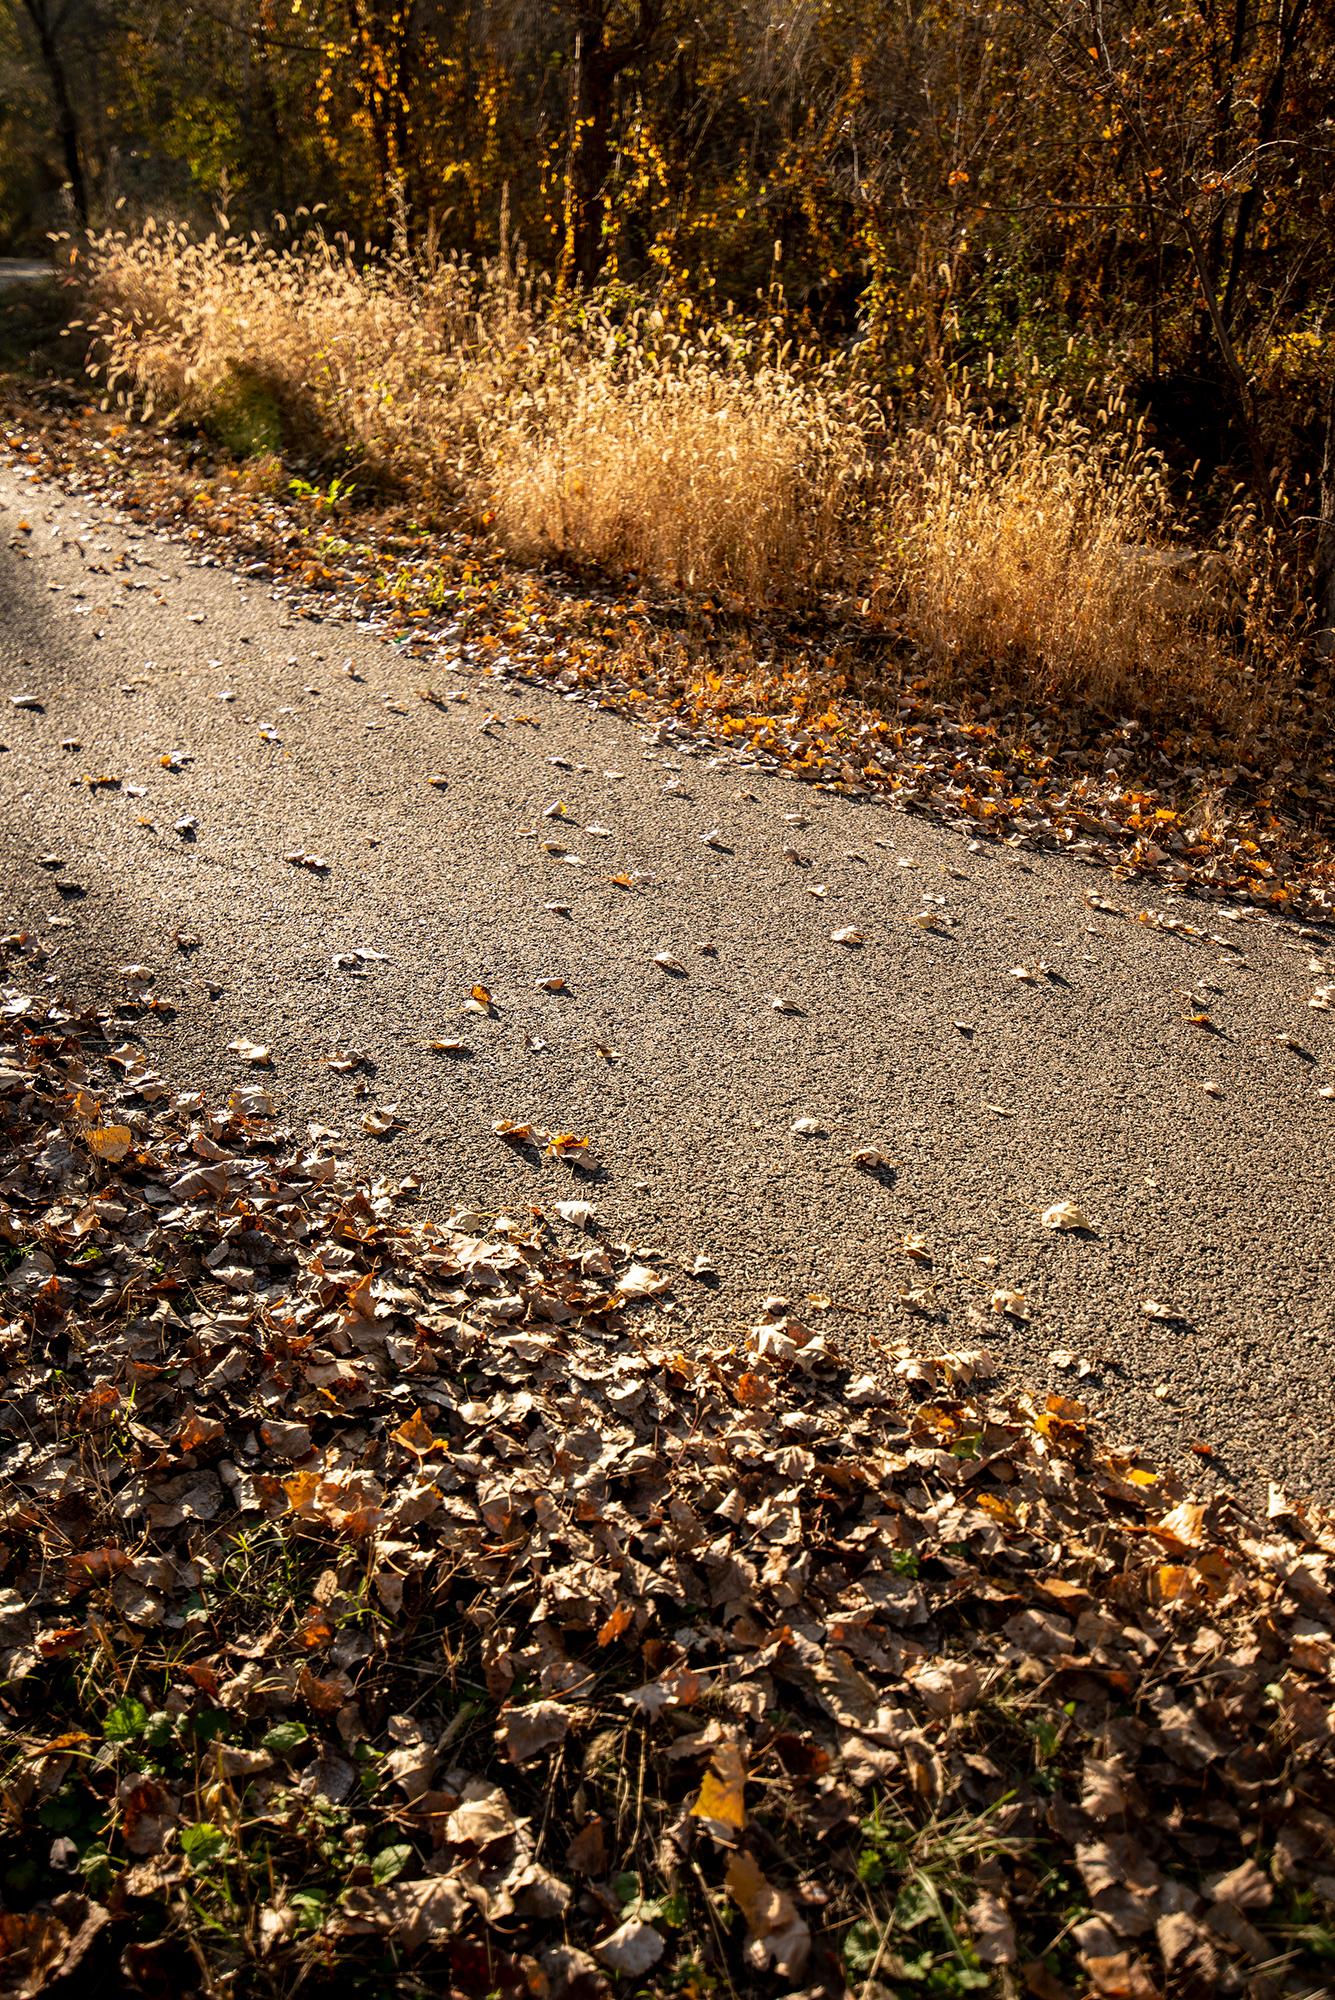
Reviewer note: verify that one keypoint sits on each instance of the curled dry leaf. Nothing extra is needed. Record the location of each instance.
(250, 1052)
(992, 1930)
(380, 1119)
(778, 1936)
(1066, 1216)
(578, 1213)
(568, 1145)
(849, 935)
(642, 1282)
(632, 1948)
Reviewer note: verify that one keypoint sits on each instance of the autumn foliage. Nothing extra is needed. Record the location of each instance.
(393, 1604)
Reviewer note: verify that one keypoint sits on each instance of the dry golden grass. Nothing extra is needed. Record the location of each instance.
(1037, 558)
(677, 463)
(718, 463)
(1044, 551)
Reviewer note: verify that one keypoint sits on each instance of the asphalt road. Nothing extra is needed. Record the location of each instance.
(993, 1096)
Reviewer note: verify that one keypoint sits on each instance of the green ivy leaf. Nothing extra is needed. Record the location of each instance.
(125, 1721)
(390, 1861)
(862, 1946)
(285, 1737)
(202, 1843)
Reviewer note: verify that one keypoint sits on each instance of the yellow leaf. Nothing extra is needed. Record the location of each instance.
(111, 1142)
(749, 1890)
(722, 1798)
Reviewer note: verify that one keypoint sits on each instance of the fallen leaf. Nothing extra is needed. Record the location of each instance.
(642, 1282)
(778, 1936)
(721, 1800)
(567, 1145)
(578, 1213)
(632, 1948)
(1066, 1215)
(380, 1119)
(992, 1930)
(110, 1142)
(256, 1053)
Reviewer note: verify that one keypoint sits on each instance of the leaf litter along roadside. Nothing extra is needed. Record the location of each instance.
(389, 1607)
(829, 701)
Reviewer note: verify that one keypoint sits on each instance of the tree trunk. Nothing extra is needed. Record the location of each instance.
(67, 124)
(598, 64)
(592, 149)
(1323, 555)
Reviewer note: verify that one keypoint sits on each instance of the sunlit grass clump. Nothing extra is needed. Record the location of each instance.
(1036, 557)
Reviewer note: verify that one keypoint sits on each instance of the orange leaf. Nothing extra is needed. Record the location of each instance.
(416, 1436)
(615, 1624)
(561, 1143)
(301, 1489)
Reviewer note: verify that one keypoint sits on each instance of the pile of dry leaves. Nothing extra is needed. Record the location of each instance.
(386, 1608)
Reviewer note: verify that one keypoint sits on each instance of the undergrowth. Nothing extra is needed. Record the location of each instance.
(1044, 556)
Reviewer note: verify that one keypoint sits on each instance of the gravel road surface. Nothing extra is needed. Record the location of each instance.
(243, 731)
